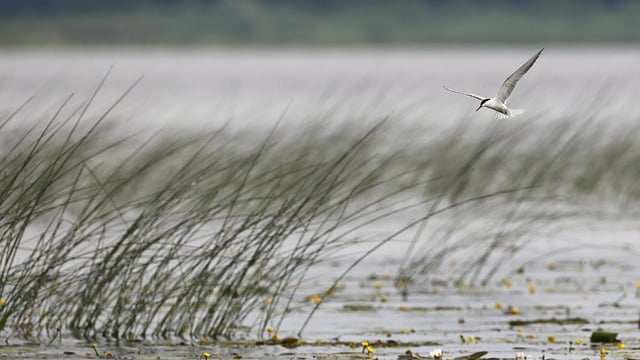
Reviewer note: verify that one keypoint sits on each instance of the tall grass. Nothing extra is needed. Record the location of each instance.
(190, 235)
(117, 237)
(569, 169)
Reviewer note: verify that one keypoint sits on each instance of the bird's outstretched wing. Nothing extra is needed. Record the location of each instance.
(464, 93)
(512, 80)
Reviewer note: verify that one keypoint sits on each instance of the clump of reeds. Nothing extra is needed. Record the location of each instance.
(124, 237)
(110, 236)
(569, 169)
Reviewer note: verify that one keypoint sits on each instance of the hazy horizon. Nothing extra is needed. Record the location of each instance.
(316, 22)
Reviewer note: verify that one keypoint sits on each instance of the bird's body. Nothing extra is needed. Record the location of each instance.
(498, 103)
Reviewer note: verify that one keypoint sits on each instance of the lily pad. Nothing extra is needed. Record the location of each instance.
(604, 336)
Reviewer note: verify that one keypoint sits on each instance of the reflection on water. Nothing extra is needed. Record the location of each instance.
(254, 87)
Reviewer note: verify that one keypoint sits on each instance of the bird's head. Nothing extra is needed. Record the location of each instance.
(482, 104)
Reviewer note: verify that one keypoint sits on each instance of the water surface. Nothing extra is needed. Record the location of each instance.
(581, 267)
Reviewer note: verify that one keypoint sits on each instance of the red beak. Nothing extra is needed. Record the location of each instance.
(479, 107)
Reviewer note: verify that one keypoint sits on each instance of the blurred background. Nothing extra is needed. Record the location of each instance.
(316, 22)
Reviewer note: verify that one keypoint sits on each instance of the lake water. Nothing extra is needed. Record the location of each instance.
(250, 88)
(579, 268)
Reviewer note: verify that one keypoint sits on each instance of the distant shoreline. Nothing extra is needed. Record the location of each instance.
(254, 23)
(320, 48)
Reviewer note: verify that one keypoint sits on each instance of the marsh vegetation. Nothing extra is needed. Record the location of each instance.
(244, 234)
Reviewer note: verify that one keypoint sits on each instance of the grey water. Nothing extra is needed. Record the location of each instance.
(253, 88)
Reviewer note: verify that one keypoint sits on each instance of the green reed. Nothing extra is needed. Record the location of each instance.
(182, 236)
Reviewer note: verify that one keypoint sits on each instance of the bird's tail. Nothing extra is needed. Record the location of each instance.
(510, 114)
(516, 112)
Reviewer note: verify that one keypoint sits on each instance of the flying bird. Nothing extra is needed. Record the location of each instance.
(498, 103)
